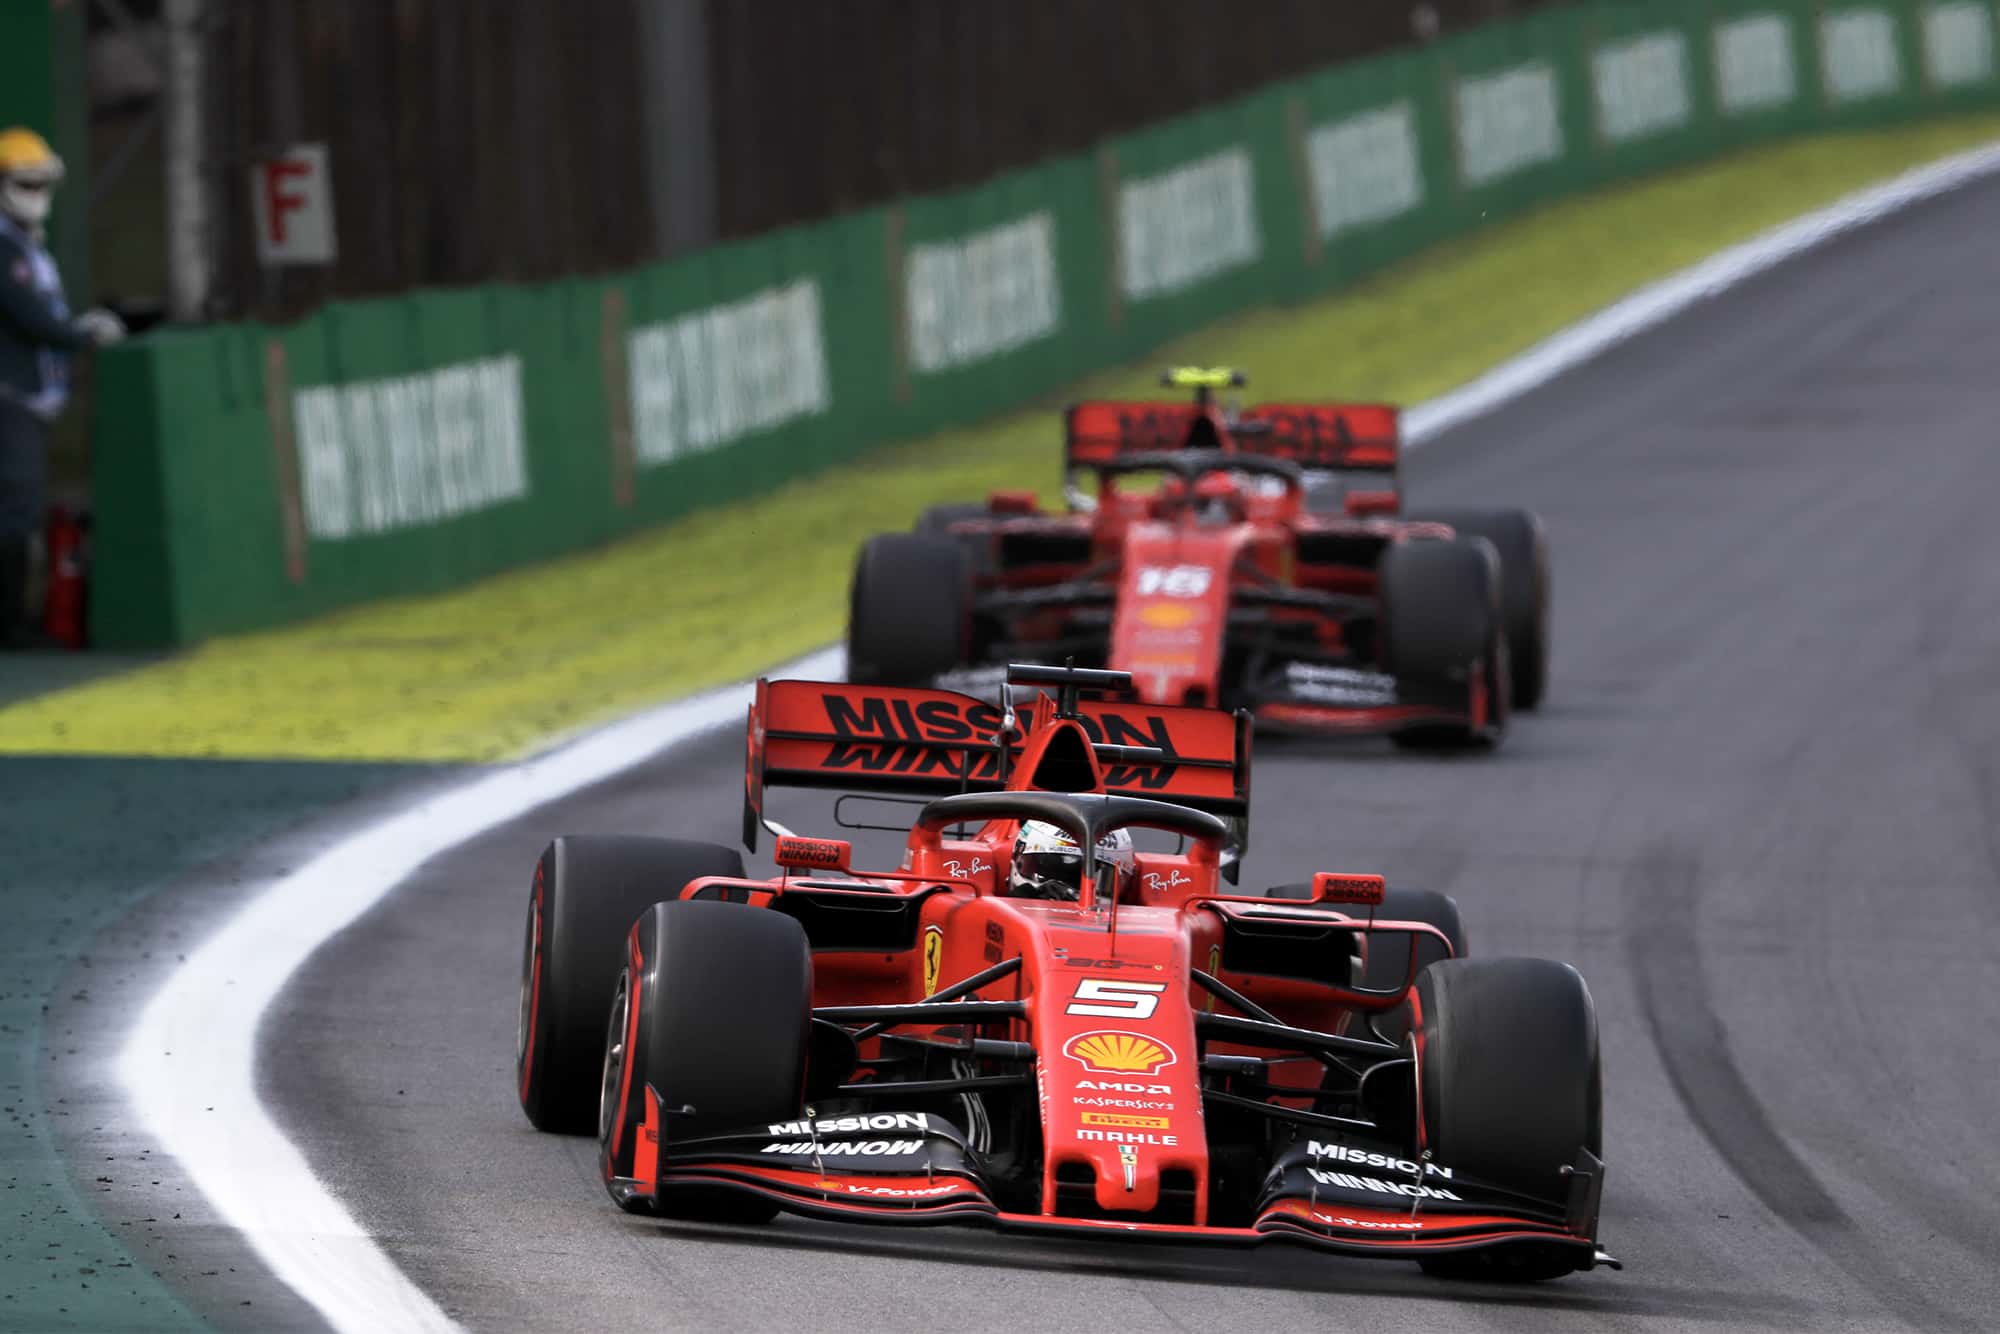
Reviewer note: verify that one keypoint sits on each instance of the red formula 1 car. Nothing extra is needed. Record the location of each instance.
(1223, 560)
(1151, 1053)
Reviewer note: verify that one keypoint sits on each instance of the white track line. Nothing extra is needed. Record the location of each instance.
(189, 1064)
(1661, 301)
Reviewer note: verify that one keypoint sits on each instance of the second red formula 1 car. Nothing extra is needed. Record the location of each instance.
(1028, 1022)
(1222, 559)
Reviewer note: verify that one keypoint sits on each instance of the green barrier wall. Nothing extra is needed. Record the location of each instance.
(249, 475)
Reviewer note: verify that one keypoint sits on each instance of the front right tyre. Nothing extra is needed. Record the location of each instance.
(909, 616)
(708, 1033)
(587, 892)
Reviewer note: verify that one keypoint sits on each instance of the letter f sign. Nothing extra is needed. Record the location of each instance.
(280, 202)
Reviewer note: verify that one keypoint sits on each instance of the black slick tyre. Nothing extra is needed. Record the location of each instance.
(1511, 1091)
(1522, 544)
(1441, 633)
(711, 1015)
(908, 613)
(587, 892)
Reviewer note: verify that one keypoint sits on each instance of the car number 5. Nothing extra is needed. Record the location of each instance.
(1115, 999)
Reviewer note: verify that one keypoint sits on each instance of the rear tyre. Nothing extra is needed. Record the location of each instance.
(1522, 545)
(1512, 1091)
(714, 1016)
(586, 894)
(908, 610)
(1441, 633)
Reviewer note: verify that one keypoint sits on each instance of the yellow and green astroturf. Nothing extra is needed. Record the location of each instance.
(504, 666)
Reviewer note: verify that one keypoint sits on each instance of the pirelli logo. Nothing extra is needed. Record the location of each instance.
(1125, 1122)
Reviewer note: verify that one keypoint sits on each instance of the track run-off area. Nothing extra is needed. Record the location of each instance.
(1757, 812)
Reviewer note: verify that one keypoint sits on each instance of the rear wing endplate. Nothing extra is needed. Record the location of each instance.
(917, 742)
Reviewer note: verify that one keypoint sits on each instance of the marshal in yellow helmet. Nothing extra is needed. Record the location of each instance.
(27, 155)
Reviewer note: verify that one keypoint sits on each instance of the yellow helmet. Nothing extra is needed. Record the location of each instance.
(25, 153)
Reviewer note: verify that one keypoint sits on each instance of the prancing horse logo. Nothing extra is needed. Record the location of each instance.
(933, 958)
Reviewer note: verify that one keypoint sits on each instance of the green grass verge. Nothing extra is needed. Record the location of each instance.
(498, 668)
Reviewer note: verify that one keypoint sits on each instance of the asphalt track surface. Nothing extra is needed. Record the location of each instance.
(1758, 812)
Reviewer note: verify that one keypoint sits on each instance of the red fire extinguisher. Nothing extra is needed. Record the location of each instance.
(63, 611)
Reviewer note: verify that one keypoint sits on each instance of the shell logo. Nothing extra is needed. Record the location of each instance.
(1119, 1053)
(1167, 615)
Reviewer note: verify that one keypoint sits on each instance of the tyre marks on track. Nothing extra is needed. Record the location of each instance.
(1668, 971)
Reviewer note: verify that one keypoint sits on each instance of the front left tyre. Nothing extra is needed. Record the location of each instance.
(1522, 545)
(1512, 1092)
(1442, 637)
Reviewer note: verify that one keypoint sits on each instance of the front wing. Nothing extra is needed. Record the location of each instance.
(935, 1181)
(1344, 701)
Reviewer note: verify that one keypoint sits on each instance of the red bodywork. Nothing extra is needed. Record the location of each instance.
(1131, 1110)
(1219, 587)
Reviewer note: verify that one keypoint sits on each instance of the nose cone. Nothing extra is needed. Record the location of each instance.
(1173, 606)
(1121, 1091)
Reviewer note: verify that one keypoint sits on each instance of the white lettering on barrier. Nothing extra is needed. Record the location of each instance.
(1753, 64)
(1507, 122)
(713, 376)
(1858, 54)
(1365, 169)
(1181, 226)
(376, 456)
(1641, 86)
(982, 295)
(1958, 44)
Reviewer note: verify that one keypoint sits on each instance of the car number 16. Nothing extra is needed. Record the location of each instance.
(1173, 581)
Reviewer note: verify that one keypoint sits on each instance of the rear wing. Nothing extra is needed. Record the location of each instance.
(1364, 437)
(926, 743)
(1103, 431)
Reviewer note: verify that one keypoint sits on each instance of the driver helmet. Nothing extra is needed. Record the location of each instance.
(1048, 864)
(1218, 499)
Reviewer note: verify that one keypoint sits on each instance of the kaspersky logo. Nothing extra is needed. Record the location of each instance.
(1112, 1053)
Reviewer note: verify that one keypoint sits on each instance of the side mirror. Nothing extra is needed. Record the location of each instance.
(1333, 887)
(813, 854)
(1011, 502)
(1361, 504)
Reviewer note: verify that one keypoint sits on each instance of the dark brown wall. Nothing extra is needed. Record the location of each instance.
(470, 139)
(479, 139)
(821, 107)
